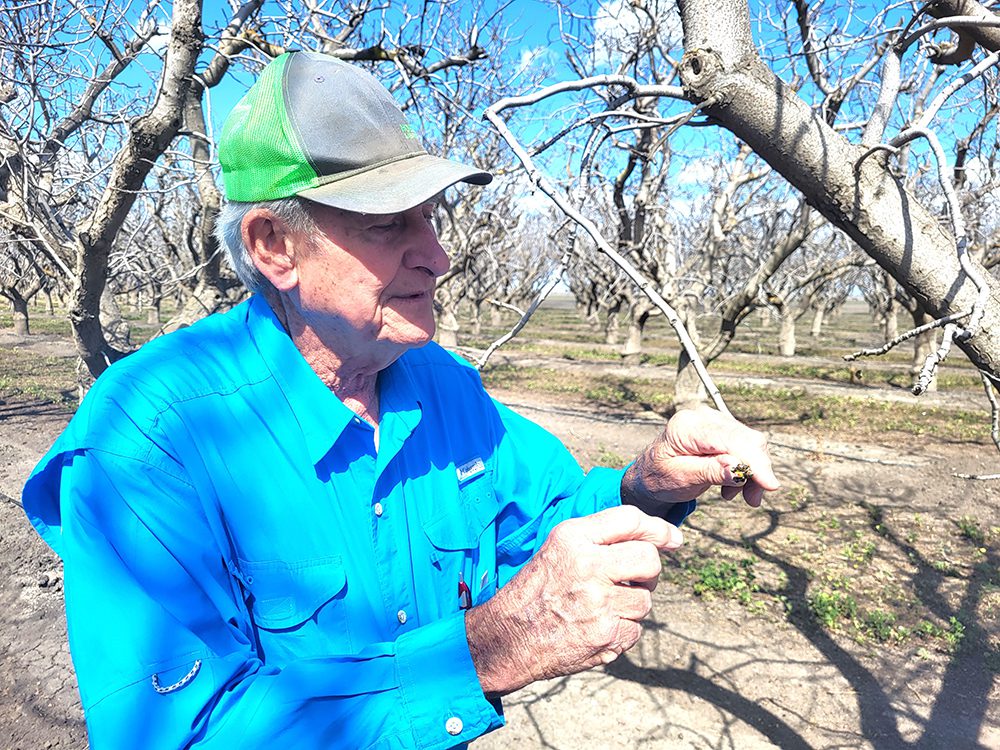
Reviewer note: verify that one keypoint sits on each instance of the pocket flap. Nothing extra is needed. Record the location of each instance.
(286, 594)
(462, 528)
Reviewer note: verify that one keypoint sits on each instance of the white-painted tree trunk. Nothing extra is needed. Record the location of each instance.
(817, 322)
(786, 336)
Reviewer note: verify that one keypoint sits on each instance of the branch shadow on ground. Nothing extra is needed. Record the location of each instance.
(766, 722)
(18, 407)
(958, 709)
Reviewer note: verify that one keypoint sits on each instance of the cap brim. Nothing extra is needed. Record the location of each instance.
(397, 186)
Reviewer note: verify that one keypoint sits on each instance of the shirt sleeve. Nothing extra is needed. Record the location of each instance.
(164, 646)
(540, 485)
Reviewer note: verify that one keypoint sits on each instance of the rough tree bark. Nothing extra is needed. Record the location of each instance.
(149, 136)
(209, 294)
(19, 308)
(723, 72)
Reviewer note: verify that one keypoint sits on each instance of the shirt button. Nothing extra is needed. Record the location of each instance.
(453, 726)
(378, 509)
(401, 616)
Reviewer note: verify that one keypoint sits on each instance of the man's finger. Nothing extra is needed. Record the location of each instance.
(753, 494)
(632, 602)
(631, 562)
(625, 523)
(728, 493)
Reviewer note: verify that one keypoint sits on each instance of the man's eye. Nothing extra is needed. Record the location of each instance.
(386, 226)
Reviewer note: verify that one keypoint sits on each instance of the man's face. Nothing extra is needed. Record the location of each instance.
(366, 285)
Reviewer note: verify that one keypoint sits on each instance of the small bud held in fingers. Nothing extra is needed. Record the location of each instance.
(742, 472)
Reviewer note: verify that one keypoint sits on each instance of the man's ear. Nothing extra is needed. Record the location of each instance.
(272, 247)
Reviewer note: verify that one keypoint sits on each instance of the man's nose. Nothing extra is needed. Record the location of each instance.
(425, 250)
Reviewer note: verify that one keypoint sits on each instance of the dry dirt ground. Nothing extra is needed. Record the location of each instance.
(708, 673)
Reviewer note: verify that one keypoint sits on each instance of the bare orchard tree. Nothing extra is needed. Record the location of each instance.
(855, 185)
(807, 112)
(24, 272)
(816, 280)
(79, 140)
(620, 138)
(105, 115)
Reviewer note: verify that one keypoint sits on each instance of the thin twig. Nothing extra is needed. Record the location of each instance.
(958, 224)
(906, 337)
(525, 317)
(635, 89)
(874, 150)
(949, 90)
(953, 22)
(506, 306)
(537, 178)
(933, 360)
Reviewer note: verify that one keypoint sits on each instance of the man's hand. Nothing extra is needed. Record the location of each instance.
(699, 448)
(575, 605)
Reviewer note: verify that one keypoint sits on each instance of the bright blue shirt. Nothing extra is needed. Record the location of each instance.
(244, 568)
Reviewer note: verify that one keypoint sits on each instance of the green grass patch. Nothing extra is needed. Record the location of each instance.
(831, 608)
(40, 323)
(969, 528)
(28, 375)
(859, 416)
(735, 580)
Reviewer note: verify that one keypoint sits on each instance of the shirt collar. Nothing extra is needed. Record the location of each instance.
(322, 416)
(400, 410)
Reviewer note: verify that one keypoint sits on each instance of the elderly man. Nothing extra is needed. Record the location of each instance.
(301, 525)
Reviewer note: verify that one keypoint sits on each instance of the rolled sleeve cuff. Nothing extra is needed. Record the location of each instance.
(672, 514)
(440, 687)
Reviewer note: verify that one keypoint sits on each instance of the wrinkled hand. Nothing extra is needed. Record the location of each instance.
(699, 448)
(576, 604)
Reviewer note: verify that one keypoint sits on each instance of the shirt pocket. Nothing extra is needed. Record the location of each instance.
(463, 541)
(298, 607)
(461, 528)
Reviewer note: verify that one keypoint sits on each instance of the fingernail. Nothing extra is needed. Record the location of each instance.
(676, 537)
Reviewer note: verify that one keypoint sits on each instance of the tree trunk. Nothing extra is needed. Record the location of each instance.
(854, 190)
(593, 319)
(786, 336)
(447, 328)
(891, 330)
(817, 322)
(476, 319)
(148, 137)
(612, 328)
(632, 351)
(19, 306)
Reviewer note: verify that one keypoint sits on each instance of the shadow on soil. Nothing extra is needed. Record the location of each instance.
(956, 713)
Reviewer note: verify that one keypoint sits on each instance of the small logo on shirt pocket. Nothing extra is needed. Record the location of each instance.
(470, 469)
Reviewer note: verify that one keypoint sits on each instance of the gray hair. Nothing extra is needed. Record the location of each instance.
(293, 211)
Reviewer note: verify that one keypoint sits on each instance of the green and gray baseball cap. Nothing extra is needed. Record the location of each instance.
(326, 130)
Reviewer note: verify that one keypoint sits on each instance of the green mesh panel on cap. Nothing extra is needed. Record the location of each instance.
(259, 150)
